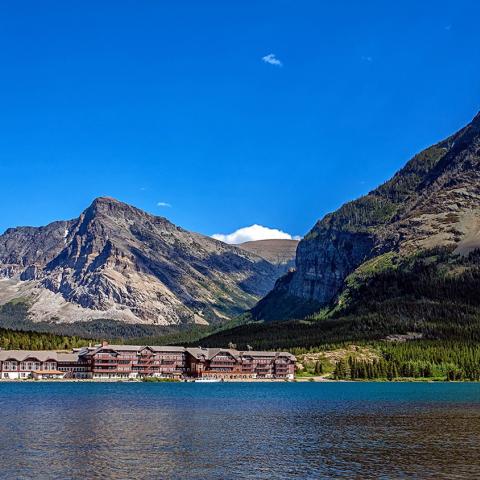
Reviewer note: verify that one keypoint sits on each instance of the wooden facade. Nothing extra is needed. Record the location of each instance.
(235, 364)
(130, 361)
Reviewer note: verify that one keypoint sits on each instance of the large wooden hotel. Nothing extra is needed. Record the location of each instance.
(129, 361)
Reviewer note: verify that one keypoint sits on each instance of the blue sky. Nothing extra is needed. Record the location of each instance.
(173, 102)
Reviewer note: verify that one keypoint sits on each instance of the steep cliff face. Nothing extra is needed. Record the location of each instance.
(433, 201)
(323, 261)
(25, 247)
(118, 262)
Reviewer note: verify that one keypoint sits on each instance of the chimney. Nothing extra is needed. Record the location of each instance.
(104, 343)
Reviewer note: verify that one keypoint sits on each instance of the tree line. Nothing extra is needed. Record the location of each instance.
(18, 340)
(415, 359)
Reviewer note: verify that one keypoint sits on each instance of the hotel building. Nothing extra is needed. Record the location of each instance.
(17, 364)
(130, 361)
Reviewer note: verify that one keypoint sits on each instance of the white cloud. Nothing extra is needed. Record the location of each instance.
(272, 60)
(253, 232)
(163, 204)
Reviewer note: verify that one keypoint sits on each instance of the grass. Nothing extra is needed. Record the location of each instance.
(159, 380)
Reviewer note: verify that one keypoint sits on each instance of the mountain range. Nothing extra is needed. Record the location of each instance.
(116, 262)
(434, 201)
(401, 260)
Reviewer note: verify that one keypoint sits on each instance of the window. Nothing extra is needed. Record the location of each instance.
(10, 365)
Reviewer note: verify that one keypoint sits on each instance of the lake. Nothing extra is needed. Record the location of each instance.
(239, 430)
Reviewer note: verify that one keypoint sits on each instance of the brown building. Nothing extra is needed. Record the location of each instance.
(73, 364)
(228, 363)
(131, 361)
(135, 361)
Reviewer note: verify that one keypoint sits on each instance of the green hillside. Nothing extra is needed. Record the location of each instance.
(433, 293)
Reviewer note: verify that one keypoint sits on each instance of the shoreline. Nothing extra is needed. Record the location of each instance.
(272, 380)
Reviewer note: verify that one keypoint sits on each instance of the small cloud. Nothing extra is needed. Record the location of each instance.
(272, 60)
(253, 232)
(143, 189)
(164, 204)
(448, 28)
(367, 58)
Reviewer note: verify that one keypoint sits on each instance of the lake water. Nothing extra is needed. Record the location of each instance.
(239, 431)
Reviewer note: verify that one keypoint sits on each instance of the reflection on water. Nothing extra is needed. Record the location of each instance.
(248, 431)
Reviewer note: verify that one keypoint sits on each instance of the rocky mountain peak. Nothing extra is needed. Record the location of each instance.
(118, 262)
(434, 201)
(114, 213)
(110, 207)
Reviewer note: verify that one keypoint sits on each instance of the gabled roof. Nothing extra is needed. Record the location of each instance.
(166, 348)
(123, 348)
(213, 352)
(197, 352)
(268, 354)
(68, 357)
(210, 353)
(136, 348)
(21, 355)
(115, 348)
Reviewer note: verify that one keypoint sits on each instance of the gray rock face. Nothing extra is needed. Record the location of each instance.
(118, 262)
(322, 262)
(433, 201)
(25, 246)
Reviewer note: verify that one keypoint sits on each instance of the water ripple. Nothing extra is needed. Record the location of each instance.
(239, 431)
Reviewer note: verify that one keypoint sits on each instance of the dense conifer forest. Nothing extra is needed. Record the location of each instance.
(415, 360)
(17, 340)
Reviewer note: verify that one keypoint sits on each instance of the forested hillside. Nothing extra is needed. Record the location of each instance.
(432, 293)
(393, 359)
(433, 202)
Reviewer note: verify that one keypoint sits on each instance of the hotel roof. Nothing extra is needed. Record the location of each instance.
(68, 357)
(21, 355)
(196, 352)
(254, 353)
(209, 353)
(135, 348)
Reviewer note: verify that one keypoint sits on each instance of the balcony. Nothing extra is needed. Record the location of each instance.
(222, 369)
(224, 364)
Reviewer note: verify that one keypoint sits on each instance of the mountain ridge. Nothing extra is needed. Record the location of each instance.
(118, 262)
(433, 201)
